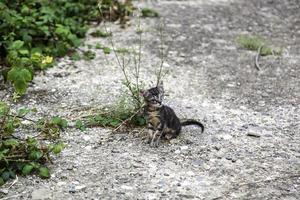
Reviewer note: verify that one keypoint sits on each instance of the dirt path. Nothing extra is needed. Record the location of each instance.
(209, 79)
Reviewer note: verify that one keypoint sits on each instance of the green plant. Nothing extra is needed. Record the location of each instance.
(98, 46)
(123, 50)
(33, 33)
(80, 125)
(50, 128)
(128, 111)
(106, 50)
(75, 56)
(148, 12)
(18, 156)
(255, 42)
(89, 55)
(100, 33)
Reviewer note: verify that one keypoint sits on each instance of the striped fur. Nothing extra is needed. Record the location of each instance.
(162, 120)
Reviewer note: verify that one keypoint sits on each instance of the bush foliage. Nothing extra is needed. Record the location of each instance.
(33, 32)
(25, 156)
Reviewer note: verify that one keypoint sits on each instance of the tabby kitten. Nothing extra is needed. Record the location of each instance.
(162, 120)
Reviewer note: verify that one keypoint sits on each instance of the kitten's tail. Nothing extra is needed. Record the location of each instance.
(192, 122)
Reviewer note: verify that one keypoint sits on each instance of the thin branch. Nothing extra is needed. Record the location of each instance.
(11, 197)
(139, 55)
(110, 38)
(122, 65)
(257, 57)
(22, 117)
(161, 55)
(14, 182)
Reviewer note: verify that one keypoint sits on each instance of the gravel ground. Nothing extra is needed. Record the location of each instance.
(251, 146)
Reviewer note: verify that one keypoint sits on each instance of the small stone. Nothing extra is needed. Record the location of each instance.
(184, 147)
(226, 137)
(177, 151)
(86, 137)
(61, 183)
(72, 189)
(4, 191)
(88, 148)
(80, 187)
(41, 194)
(126, 187)
(190, 173)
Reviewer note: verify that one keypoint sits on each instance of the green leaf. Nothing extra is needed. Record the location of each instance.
(44, 172)
(23, 111)
(4, 109)
(75, 56)
(20, 78)
(80, 125)
(1, 181)
(11, 143)
(23, 51)
(74, 40)
(114, 123)
(89, 55)
(98, 46)
(16, 45)
(5, 175)
(148, 12)
(12, 174)
(106, 50)
(57, 148)
(62, 30)
(99, 33)
(35, 155)
(62, 123)
(27, 169)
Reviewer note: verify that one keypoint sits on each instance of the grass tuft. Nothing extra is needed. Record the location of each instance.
(148, 12)
(253, 43)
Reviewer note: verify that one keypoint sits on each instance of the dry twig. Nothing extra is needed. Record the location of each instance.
(257, 58)
(128, 119)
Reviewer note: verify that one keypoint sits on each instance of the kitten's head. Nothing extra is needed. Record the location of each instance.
(154, 96)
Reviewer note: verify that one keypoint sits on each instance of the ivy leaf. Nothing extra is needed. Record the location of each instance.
(106, 50)
(4, 109)
(44, 172)
(1, 181)
(20, 78)
(23, 111)
(35, 155)
(57, 148)
(11, 143)
(79, 124)
(27, 169)
(61, 123)
(74, 40)
(16, 45)
(5, 175)
(24, 51)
